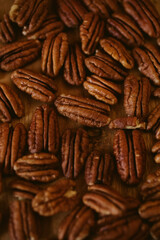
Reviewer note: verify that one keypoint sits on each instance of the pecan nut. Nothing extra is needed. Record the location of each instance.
(7, 32)
(153, 121)
(156, 149)
(83, 110)
(37, 85)
(59, 197)
(74, 151)
(102, 89)
(154, 231)
(129, 150)
(156, 92)
(74, 67)
(137, 93)
(43, 134)
(91, 31)
(150, 210)
(41, 167)
(54, 52)
(127, 123)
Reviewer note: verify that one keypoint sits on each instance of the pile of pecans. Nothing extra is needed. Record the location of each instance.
(114, 38)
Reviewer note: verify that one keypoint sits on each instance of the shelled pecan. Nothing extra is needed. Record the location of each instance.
(127, 123)
(156, 150)
(74, 151)
(102, 65)
(91, 31)
(147, 58)
(77, 224)
(22, 222)
(102, 89)
(122, 27)
(156, 92)
(41, 167)
(13, 56)
(43, 134)
(117, 51)
(98, 168)
(153, 121)
(129, 150)
(145, 14)
(7, 31)
(38, 86)
(59, 197)
(54, 52)
(137, 93)
(83, 110)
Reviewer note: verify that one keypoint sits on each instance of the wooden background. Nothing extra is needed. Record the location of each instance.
(102, 138)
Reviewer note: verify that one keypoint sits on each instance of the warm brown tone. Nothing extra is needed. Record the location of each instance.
(127, 123)
(7, 31)
(156, 92)
(156, 150)
(153, 121)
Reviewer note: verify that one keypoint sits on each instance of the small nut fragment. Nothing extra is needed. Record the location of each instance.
(153, 121)
(7, 33)
(127, 123)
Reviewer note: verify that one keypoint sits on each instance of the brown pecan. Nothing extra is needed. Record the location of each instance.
(122, 27)
(129, 150)
(77, 224)
(137, 93)
(43, 134)
(154, 121)
(156, 149)
(54, 52)
(117, 51)
(83, 110)
(156, 92)
(74, 67)
(7, 33)
(102, 65)
(145, 15)
(71, 12)
(147, 58)
(38, 86)
(74, 151)
(98, 168)
(150, 210)
(102, 89)
(91, 31)
(155, 231)
(41, 167)
(13, 56)
(127, 123)
(59, 197)
(22, 222)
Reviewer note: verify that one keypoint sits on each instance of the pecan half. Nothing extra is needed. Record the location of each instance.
(77, 224)
(17, 55)
(54, 52)
(43, 134)
(102, 65)
(123, 27)
(145, 14)
(7, 33)
(98, 168)
(129, 150)
(154, 121)
(74, 67)
(117, 51)
(137, 93)
(150, 210)
(156, 149)
(83, 110)
(156, 92)
(22, 222)
(38, 86)
(59, 197)
(127, 123)
(91, 31)
(41, 167)
(102, 89)
(74, 151)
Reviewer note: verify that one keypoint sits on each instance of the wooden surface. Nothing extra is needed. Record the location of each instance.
(102, 139)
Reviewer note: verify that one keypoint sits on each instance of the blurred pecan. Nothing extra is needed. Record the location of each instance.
(83, 110)
(156, 149)
(145, 15)
(147, 58)
(137, 93)
(7, 33)
(37, 85)
(74, 151)
(98, 168)
(22, 222)
(41, 167)
(77, 224)
(123, 27)
(156, 92)
(127, 123)
(71, 12)
(117, 51)
(59, 197)
(150, 210)
(154, 121)
(91, 31)
(129, 150)
(74, 67)
(54, 52)
(43, 134)
(102, 65)
(102, 89)
(155, 231)
(13, 56)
